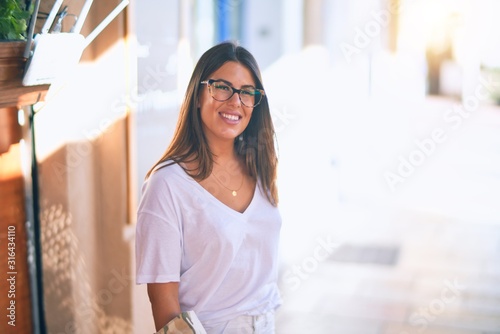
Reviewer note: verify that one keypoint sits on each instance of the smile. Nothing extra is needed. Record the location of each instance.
(230, 117)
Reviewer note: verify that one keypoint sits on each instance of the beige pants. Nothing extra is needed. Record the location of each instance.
(246, 324)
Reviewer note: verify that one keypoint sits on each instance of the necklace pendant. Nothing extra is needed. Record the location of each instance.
(234, 193)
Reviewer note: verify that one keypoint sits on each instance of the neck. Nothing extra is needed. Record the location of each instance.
(224, 154)
(228, 162)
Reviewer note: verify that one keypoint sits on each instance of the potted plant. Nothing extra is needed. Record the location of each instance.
(14, 18)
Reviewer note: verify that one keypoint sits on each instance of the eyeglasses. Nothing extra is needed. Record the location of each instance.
(220, 91)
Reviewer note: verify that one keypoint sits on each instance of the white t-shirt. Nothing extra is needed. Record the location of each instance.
(226, 261)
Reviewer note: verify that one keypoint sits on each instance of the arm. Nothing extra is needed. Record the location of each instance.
(164, 298)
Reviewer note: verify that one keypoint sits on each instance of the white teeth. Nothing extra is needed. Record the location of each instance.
(230, 117)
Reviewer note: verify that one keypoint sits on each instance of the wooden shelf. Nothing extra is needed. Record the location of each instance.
(14, 94)
(12, 91)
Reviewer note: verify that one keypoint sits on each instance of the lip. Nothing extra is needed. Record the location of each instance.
(230, 117)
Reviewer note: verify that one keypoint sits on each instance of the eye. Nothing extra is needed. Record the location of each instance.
(221, 86)
(249, 92)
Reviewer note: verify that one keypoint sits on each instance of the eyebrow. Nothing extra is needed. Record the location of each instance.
(230, 84)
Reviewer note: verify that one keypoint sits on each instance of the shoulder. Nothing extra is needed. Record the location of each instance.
(167, 170)
(164, 189)
(167, 174)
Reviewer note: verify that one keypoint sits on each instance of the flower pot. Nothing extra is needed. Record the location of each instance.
(12, 61)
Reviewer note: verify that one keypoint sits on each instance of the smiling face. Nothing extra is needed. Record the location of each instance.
(224, 121)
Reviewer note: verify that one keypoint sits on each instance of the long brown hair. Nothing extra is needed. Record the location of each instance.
(255, 145)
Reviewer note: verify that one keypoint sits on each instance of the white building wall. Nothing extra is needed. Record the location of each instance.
(263, 30)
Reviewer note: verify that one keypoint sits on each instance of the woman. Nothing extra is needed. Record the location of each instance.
(208, 223)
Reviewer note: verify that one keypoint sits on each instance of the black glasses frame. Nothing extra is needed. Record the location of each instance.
(209, 82)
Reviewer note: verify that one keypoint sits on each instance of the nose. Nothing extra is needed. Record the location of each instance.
(235, 98)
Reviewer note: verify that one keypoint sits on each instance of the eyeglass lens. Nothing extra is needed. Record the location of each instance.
(220, 91)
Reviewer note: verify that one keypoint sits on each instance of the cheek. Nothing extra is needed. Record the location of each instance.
(208, 110)
(207, 102)
(249, 114)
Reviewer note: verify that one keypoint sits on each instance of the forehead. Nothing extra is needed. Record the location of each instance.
(235, 73)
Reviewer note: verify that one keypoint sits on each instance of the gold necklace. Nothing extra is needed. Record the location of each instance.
(234, 192)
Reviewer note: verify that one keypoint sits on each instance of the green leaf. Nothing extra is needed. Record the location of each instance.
(13, 19)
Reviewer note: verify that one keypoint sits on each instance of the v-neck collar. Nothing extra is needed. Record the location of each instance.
(215, 199)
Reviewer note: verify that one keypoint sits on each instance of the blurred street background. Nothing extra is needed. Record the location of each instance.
(389, 139)
(387, 116)
(388, 128)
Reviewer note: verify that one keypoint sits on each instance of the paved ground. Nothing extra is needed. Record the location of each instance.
(445, 280)
(362, 256)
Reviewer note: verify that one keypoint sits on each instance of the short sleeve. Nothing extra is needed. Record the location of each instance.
(158, 234)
